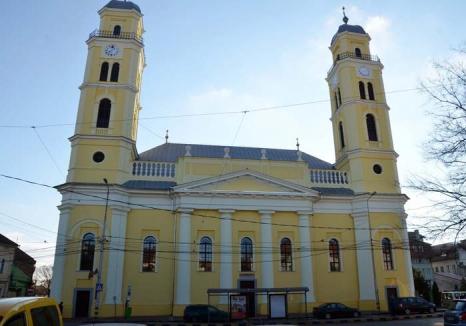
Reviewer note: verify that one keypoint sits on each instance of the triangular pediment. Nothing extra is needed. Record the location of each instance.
(246, 182)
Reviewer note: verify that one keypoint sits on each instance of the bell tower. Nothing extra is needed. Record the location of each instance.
(360, 114)
(104, 142)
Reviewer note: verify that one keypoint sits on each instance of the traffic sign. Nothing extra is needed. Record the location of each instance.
(99, 287)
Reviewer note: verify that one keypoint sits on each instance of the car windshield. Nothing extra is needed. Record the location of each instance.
(459, 305)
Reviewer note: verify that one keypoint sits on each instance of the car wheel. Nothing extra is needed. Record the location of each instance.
(407, 311)
(328, 316)
(356, 314)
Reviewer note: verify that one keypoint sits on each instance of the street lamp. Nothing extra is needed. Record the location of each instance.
(99, 287)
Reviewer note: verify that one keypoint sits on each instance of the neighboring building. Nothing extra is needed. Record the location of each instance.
(185, 218)
(16, 269)
(449, 265)
(421, 253)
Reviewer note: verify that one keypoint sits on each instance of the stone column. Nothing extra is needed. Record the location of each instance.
(407, 254)
(267, 267)
(226, 266)
(113, 284)
(59, 261)
(183, 264)
(364, 257)
(307, 276)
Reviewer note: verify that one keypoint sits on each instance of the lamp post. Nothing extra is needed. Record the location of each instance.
(99, 287)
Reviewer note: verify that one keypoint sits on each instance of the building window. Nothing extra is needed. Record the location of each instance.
(387, 254)
(205, 254)
(370, 90)
(436, 269)
(357, 51)
(334, 255)
(115, 72)
(286, 258)
(246, 255)
(103, 71)
(342, 136)
(362, 90)
(87, 252)
(336, 100)
(339, 95)
(116, 30)
(148, 254)
(371, 127)
(103, 116)
(2, 265)
(441, 269)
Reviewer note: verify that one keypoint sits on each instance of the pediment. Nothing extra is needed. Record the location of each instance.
(245, 182)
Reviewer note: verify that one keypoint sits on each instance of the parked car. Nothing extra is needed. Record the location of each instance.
(456, 314)
(408, 305)
(204, 313)
(21, 311)
(334, 310)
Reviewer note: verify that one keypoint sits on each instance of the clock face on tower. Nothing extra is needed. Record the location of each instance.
(112, 50)
(364, 71)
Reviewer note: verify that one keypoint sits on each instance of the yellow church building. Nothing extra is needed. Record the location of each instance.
(183, 224)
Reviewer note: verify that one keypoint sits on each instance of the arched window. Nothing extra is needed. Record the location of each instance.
(336, 100)
(286, 258)
(371, 127)
(342, 135)
(246, 255)
(370, 90)
(334, 255)
(87, 252)
(103, 116)
(362, 90)
(357, 51)
(103, 71)
(387, 254)
(115, 72)
(205, 254)
(116, 30)
(148, 254)
(339, 95)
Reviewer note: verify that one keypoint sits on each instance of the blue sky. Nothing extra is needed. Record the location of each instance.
(206, 56)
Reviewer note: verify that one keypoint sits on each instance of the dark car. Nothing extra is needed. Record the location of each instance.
(456, 314)
(408, 305)
(334, 310)
(204, 313)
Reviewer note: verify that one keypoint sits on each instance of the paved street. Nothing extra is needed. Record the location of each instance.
(412, 322)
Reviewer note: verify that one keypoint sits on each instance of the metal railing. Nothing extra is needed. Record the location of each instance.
(121, 35)
(354, 55)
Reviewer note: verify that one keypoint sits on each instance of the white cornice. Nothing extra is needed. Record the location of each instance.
(109, 85)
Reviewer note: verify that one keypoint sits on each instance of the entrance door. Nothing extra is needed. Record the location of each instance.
(392, 294)
(81, 304)
(250, 297)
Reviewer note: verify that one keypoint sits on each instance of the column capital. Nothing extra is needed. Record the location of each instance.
(266, 212)
(119, 208)
(306, 212)
(65, 208)
(185, 210)
(226, 211)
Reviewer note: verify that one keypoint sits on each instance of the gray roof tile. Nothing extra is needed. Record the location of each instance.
(334, 191)
(149, 185)
(348, 28)
(116, 4)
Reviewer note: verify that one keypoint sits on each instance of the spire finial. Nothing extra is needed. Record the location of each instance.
(345, 19)
(166, 136)
(297, 144)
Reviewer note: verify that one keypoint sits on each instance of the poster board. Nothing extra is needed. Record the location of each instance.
(238, 306)
(277, 306)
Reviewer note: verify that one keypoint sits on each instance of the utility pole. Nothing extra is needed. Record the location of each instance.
(377, 299)
(99, 287)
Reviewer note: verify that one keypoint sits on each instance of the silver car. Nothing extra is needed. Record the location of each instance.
(456, 315)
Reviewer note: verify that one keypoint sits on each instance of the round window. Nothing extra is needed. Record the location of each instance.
(377, 169)
(98, 157)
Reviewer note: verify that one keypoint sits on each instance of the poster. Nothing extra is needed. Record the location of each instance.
(238, 306)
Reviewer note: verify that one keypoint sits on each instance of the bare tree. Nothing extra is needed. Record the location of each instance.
(43, 277)
(447, 145)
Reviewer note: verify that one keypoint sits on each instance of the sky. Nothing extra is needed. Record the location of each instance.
(202, 57)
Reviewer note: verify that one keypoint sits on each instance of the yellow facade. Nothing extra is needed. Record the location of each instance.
(271, 217)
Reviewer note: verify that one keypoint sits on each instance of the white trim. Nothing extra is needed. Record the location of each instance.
(267, 269)
(183, 272)
(226, 258)
(305, 238)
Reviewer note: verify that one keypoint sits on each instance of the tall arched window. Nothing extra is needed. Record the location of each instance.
(357, 51)
(362, 90)
(336, 100)
(87, 252)
(286, 258)
(370, 90)
(148, 254)
(103, 71)
(334, 255)
(115, 72)
(387, 254)
(339, 95)
(205, 254)
(342, 135)
(371, 127)
(103, 116)
(116, 30)
(246, 255)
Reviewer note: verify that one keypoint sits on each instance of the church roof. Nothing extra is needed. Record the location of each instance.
(170, 152)
(116, 4)
(348, 28)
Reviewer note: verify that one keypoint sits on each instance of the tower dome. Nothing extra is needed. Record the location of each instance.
(348, 28)
(117, 4)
